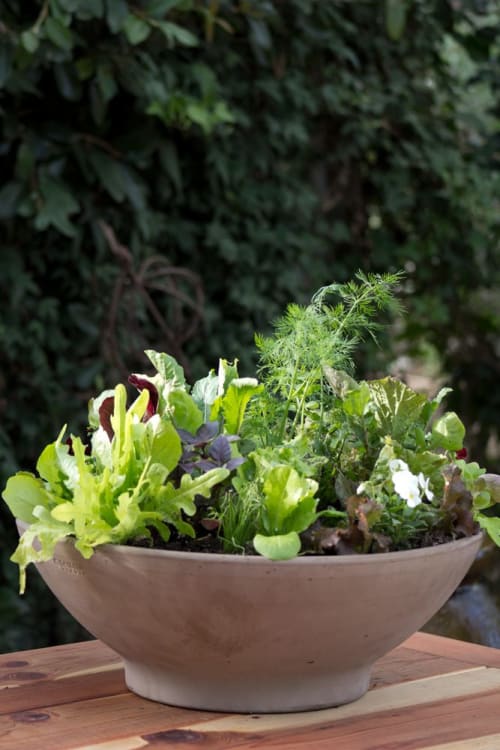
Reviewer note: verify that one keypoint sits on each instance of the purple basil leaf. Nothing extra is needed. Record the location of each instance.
(220, 450)
(186, 436)
(205, 465)
(188, 467)
(207, 432)
(234, 462)
(142, 383)
(188, 455)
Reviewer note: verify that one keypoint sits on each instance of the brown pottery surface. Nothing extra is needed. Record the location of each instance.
(236, 633)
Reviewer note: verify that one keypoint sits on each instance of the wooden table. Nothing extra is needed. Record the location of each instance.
(431, 692)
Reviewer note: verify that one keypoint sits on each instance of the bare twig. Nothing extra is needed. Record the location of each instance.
(133, 304)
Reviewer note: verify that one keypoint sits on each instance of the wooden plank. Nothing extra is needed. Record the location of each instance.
(82, 667)
(469, 723)
(46, 678)
(34, 697)
(490, 742)
(83, 723)
(47, 663)
(391, 698)
(413, 728)
(450, 648)
(124, 743)
(30, 680)
(421, 728)
(64, 674)
(135, 721)
(431, 693)
(405, 664)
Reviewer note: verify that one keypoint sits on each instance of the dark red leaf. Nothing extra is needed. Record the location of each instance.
(210, 524)
(143, 384)
(106, 410)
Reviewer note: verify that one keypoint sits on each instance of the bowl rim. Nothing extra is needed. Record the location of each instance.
(308, 560)
(303, 560)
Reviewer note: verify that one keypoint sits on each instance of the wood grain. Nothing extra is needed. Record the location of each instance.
(491, 742)
(438, 645)
(431, 693)
(392, 698)
(63, 674)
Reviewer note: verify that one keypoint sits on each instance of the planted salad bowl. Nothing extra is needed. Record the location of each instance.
(242, 633)
(256, 544)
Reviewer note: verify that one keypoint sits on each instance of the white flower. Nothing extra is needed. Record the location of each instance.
(407, 487)
(361, 489)
(424, 486)
(396, 464)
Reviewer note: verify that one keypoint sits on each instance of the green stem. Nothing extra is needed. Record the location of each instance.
(288, 401)
(41, 17)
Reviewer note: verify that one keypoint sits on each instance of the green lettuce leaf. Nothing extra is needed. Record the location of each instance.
(23, 493)
(235, 402)
(172, 498)
(204, 393)
(184, 411)
(448, 432)
(168, 367)
(278, 546)
(38, 542)
(284, 489)
(396, 407)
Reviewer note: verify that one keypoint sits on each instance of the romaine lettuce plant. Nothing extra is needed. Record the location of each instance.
(306, 461)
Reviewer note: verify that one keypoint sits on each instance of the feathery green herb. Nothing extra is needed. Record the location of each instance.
(307, 340)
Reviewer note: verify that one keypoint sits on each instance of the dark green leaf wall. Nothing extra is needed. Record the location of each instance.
(172, 172)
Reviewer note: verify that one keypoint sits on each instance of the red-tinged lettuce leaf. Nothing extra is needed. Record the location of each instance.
(344, 541)
(141, 383)
(210, 524)
(357, 537)
(106, 410)
(458, 519)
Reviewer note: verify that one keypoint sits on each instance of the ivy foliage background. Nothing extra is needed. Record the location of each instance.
(173, 172)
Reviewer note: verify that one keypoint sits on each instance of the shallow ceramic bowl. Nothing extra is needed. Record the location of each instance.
(236, 633)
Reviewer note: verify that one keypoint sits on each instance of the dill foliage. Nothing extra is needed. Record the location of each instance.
(308, 340)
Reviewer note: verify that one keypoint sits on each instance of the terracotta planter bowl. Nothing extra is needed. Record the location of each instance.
(244, 634)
